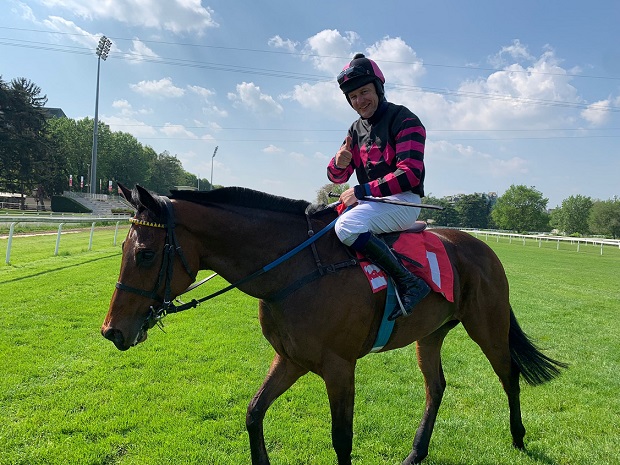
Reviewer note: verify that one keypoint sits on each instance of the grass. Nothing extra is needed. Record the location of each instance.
(67, 396)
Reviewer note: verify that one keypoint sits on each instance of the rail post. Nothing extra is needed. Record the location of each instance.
(90, 241)
(58, 239)
(116, 232)
(9, 243)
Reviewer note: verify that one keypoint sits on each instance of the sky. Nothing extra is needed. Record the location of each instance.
(510, 93)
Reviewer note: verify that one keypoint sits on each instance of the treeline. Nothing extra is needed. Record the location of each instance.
(524, 209)
(39, 153)
(521, 208)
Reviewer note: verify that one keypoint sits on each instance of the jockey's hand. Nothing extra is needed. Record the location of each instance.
(343, 157)
(348, 197)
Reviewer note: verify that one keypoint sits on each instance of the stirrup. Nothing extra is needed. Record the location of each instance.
(399, 310)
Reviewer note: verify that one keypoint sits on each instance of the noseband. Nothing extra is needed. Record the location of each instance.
(171, 250)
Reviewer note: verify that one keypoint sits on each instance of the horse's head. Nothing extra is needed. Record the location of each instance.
(154, 270)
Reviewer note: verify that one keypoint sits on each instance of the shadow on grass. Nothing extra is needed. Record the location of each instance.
(54, 270)
(540, 456)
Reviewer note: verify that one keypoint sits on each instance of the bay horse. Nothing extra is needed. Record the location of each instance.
(321, 325)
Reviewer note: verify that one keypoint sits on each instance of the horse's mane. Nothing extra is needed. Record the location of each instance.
(242, 197)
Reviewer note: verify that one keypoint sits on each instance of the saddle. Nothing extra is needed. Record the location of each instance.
(421, 251)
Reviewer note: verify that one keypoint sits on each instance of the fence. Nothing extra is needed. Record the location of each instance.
(61, 220)
(539, 238)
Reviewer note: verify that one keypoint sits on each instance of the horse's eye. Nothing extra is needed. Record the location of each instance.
(145, 257)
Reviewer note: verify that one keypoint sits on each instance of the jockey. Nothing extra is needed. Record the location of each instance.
(385, 149)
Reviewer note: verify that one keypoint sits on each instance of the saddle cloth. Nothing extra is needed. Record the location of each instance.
(427, 250)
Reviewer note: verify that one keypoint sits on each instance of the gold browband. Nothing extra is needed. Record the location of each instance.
(146, 223)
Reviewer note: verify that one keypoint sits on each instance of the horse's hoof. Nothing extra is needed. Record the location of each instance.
(414, 458)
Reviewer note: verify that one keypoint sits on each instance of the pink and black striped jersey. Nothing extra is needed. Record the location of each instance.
(388, 154)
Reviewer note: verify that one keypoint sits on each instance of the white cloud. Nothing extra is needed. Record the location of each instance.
(597, 113)
(250, 96)
(132, 126)
(74, 32)
(273, 149)
(177, 16)
(397, 60)
(24, 12)
(516, 51)
(535, 96)
(329, 50)
(324, 96)
(124, 106)
(163, 88)
(203, 92)
(139, 52)
(279, 42)
(177, 131)
(214, 111)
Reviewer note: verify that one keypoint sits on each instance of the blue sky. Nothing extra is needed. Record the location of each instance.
(510, 93)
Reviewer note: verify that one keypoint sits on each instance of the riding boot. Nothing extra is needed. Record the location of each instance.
(411, 288)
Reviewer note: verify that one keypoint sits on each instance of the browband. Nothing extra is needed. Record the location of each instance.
(146, 223)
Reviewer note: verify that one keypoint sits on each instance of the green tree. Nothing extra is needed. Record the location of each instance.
(605, 218)
(446, 217)
(572, 216)
(473, 210)
(123, 158)
(72, 142)
(322, 196)
(24, 150)
(521, 209)
(166, 172)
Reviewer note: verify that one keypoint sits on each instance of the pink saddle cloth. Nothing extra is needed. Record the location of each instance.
(424, 248)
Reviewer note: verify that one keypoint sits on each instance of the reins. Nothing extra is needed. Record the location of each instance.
(171, 248)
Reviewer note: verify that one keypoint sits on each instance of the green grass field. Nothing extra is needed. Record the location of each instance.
(67, 396)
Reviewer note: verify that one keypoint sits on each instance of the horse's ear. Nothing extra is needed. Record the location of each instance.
(126, 193)
(147, 200)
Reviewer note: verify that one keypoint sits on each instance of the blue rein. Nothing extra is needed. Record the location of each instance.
(194, 303)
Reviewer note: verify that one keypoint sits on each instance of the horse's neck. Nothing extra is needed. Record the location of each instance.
(237, 243)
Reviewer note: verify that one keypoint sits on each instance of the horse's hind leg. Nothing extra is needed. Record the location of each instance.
(491, 334)
(282, 375)
(429, 361)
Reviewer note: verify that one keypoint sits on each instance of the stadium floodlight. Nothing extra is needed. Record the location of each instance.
(102, 53)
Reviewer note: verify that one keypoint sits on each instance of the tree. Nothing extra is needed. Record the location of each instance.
(446, 217)
(572, 216)
(166, 172)
(473, 210)
(72, 142)
(605, 218)
(322, 194)
(521, 209)
(24, 152)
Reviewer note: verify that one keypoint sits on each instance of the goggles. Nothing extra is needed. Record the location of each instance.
(352, 72)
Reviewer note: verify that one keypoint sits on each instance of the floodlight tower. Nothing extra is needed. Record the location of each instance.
(102, 53)
(214, 152)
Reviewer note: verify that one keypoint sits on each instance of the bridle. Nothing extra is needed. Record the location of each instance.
(171, 250)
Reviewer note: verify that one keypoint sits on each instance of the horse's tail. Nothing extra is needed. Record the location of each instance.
(535, 366)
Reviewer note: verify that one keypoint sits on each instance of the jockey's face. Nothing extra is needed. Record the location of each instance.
(364, 100)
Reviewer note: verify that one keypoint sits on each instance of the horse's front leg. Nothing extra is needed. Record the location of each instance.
(282, 375)
(339, 376)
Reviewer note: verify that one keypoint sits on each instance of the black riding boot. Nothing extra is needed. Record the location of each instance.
(411, 289)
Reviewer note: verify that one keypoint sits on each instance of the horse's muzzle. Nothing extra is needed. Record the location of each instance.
(116, 336)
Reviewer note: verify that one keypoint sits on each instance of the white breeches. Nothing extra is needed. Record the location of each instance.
(377, 217)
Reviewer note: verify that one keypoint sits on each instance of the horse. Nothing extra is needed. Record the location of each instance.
(318, 318)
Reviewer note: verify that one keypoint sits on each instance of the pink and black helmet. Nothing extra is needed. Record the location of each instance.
(359, 72)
